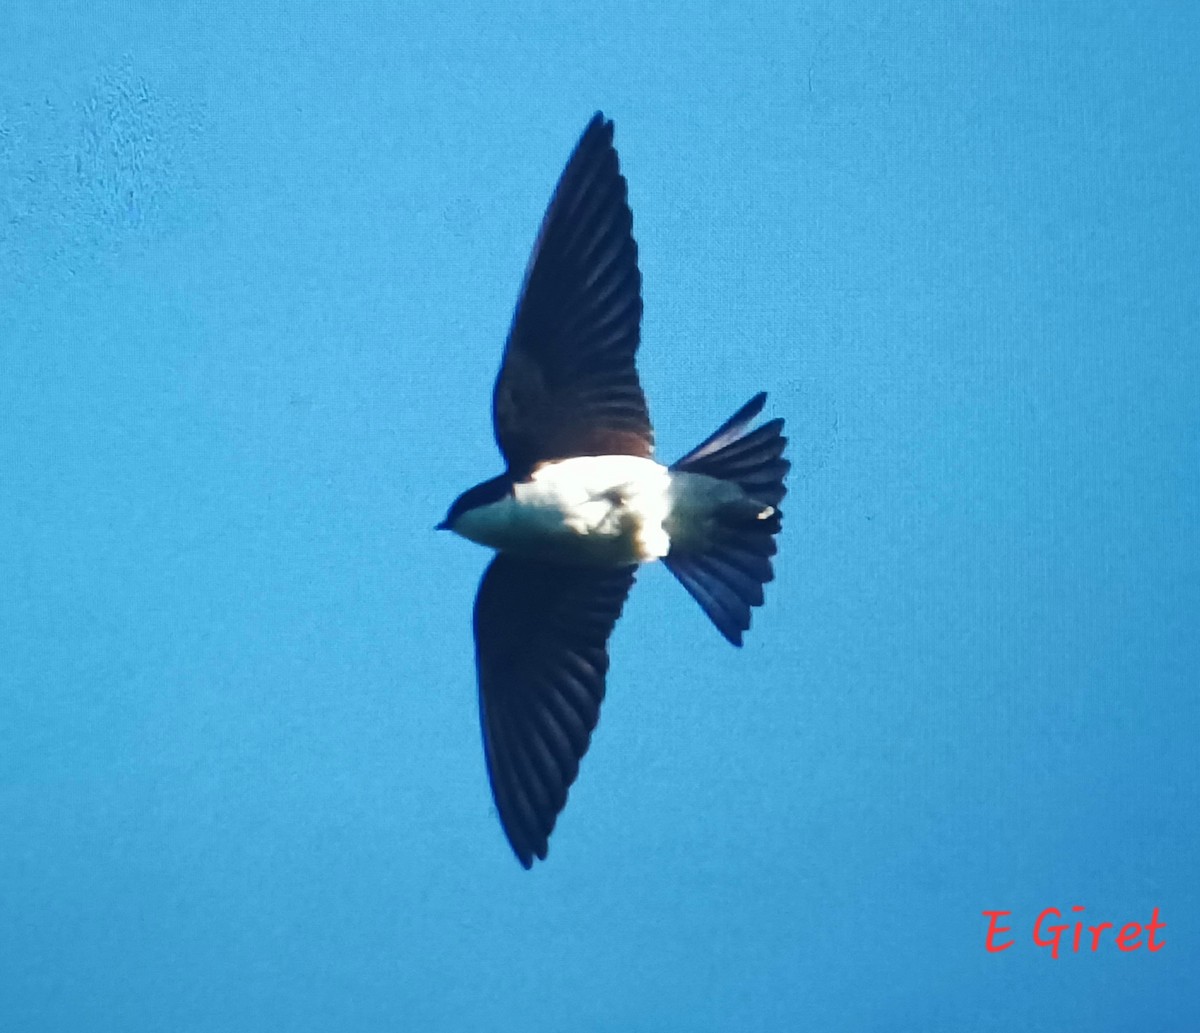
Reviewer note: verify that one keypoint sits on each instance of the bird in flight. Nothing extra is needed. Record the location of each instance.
(582, 501)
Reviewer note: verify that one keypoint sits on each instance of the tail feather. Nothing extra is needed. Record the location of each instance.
(727, 579)
(729, 431)
(727, 610)
(751, 459)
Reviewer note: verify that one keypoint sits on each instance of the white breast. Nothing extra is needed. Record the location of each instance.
(607, 510)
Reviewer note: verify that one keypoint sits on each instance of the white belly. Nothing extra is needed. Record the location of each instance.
(603, 510)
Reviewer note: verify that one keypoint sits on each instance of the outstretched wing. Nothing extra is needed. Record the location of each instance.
(568, 385)
(541, 636)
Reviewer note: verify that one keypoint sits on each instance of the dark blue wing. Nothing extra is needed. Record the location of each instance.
(568, 385)
(541, 650)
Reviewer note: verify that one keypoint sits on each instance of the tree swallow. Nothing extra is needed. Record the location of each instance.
(583, 502)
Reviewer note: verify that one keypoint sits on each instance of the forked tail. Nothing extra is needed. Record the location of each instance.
(727, 578)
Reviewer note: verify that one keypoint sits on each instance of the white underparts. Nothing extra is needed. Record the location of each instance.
(604, 510)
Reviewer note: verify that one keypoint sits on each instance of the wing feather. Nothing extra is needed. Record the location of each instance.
(541, 635)
(568, 384)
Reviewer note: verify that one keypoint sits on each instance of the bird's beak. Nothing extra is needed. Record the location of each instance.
(443, 526)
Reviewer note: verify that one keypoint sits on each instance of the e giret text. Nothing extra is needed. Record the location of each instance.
(1049, 931)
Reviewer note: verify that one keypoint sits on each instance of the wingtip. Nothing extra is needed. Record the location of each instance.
(598, 126)
(525, 857)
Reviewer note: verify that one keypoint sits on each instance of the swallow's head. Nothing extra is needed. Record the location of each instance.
(473, 498)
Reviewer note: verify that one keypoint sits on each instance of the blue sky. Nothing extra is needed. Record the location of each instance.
(258, 262)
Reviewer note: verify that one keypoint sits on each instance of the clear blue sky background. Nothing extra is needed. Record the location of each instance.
(256, 266)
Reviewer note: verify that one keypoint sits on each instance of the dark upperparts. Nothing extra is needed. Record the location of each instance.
(568, 385)
(480, 495)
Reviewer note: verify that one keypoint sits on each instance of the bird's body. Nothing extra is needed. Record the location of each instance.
(583, 503)
(606, 511)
